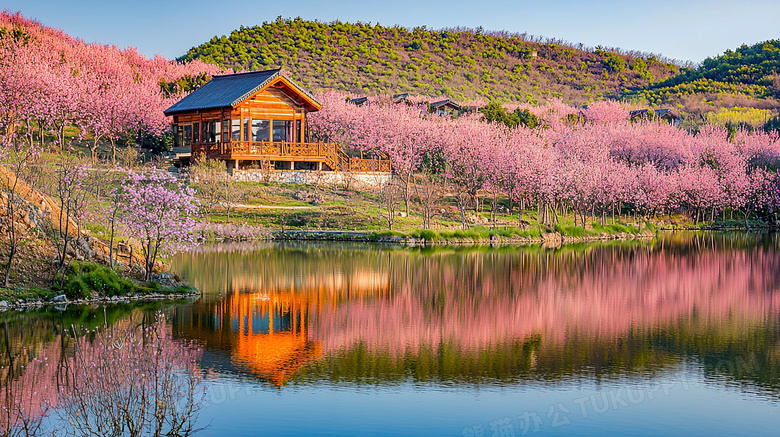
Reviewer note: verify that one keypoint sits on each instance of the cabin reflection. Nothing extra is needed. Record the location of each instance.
(267, 333)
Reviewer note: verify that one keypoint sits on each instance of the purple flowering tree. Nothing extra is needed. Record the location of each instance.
(157, 210)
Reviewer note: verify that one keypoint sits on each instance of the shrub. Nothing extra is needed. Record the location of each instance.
(82, 279)
(425, 234)
(570, 231)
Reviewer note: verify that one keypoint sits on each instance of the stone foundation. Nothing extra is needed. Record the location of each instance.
(308, 177)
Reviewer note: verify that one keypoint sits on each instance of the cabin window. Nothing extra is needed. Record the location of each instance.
(235, 129)
(177, 133)
(283, 130)
(225, 131)
(187, 136)
(261, 130)
(210, 131)
(195, 133)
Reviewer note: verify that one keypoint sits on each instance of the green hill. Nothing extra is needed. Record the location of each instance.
(463, 64)
(747, 78)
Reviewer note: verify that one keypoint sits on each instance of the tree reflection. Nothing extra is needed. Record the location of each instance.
(122, 364)
(476, 314)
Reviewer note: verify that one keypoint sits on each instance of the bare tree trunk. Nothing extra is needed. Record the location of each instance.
(521, 207)
(493, 210)
(11, 255)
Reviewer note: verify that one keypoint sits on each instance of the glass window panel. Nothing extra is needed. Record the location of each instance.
(288, 129)
(235, 129)
(261, 130)
(177, 135)
(187, 135)
(280, 132)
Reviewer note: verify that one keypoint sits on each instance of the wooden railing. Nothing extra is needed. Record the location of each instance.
(329, 153)
(369, 165)
(254, 149)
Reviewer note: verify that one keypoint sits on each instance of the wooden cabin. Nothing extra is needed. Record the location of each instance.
(250, 119)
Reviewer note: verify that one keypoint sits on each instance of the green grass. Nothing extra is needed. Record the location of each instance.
(358, 211)
(84, 279)
(21, 293)
(570, 231)
(616, 229)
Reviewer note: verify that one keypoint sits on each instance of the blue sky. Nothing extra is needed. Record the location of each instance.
(682, 29)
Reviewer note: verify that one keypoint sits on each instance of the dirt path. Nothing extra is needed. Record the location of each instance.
(241, 205)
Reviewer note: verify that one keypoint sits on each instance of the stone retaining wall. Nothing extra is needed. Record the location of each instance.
(351, 180)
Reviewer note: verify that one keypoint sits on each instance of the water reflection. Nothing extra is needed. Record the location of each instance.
(308, 313)
(420, 333)
(37, 358)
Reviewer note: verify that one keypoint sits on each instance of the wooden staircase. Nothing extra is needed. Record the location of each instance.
(337, 160)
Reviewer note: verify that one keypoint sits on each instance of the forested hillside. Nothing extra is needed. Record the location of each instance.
(463, 64)
(747, 78)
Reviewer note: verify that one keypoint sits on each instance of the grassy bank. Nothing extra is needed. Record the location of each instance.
(294, 211)
(88, 282)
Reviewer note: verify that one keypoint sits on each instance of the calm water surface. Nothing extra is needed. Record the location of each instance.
(678, 336)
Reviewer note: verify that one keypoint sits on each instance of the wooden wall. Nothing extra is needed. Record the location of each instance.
(273, 103)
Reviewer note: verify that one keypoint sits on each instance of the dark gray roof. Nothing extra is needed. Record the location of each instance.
(398, 98)
(663, 113)
(445, 102)
(229, 90)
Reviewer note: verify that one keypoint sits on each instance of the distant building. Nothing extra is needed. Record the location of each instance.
(445, 106)
(401, 98)
(666, 115)
(359, 101)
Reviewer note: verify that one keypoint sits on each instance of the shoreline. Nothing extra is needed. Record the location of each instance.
(413, 241)
(484, 236)
(381, 237)
(27, 304)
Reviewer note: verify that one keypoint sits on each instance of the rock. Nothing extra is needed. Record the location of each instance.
(82, 243)
(300, 195)
(163, 276)
(60, 298)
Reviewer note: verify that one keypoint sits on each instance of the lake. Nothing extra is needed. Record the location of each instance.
(675, 336)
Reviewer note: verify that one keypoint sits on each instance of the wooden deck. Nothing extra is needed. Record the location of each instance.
(326, 153)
